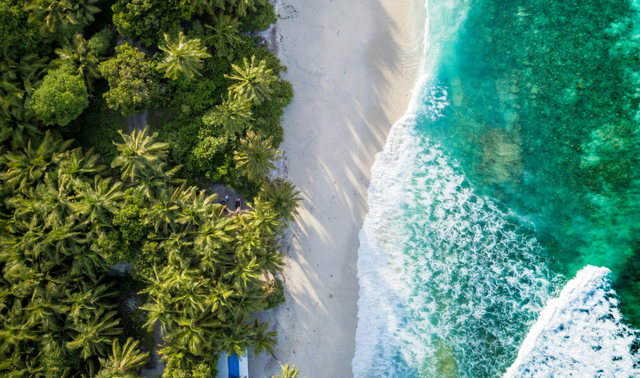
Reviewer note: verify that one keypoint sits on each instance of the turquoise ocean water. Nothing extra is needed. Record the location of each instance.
(503, 236)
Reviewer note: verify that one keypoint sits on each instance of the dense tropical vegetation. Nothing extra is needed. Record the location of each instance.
(81, 193)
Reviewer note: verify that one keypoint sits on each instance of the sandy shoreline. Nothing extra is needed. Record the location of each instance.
(352, 65)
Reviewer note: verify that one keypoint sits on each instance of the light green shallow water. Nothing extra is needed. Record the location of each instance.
(543, 121)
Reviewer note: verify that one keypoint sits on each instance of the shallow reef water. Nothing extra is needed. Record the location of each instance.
(543, 119)
(512, 179)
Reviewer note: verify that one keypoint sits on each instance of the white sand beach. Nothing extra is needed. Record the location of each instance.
(352, 65)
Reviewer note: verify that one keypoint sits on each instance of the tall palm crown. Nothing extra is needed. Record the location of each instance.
(28, 69)
(95, 334)
(223, 35)
(253, 80)
(183, 57)
(242, 6)
(79, 56)
(55, 13)
(138, 154)
(123, 361)
(233, 115)
(289, 372)
(19, 80)
(99, 200)
(80, 11)
(281, 197)
(255, 156)
(202, 6)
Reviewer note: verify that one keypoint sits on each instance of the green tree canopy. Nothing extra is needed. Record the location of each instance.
(183, 57)
(19, 80)
(223, 35)
(80, 58)
(255, 156)
(139, 154)
(52, 14)
(233, 115)
(241, 7)
(280, 197)
(134, 84)
(61, 97)
(99, 44)
(252, 81)
(288, 372)
(123, 361)
(147, 20)
(17, 38)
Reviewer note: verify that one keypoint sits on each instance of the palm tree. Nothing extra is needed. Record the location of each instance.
(80, 11)
(95, 334)
(255, 156)
(242, 6)
(233, 115)
(219, 297)
(192, 334)
(247, 302)
(215, 234)
(263, 221)
(288, 372)
(138, 154)
(17, 329)
(98, 201)
(183, 57)
(252, 81)
(177, 357)
(44, 307)
(155, 179)
(87, 301)
(245, 275)
(75, 165)
(281, 197)
(223, 35)
(80, 57)
(87, 263)
(54, 13)
(159, 312)
(197, 207)
(123, 361)
(264, 339)
(236, 338)
(17, 123)
(28, 68)
(166, 210)
(204, 5)
(49, 12)
(24, 168)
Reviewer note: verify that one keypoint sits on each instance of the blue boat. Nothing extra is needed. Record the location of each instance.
(233, 366)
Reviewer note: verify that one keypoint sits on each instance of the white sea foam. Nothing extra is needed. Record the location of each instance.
(447, 281)
(579, 334)
(441, 270)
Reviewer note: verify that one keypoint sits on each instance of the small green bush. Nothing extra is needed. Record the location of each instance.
(61, 97)
(150, 255)
(134, 83)
(113, 250)
(130, 220)
(17, 38)
(147, 20)
(275, 293)
(259, 20)
(197, 95)
(101, 42)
